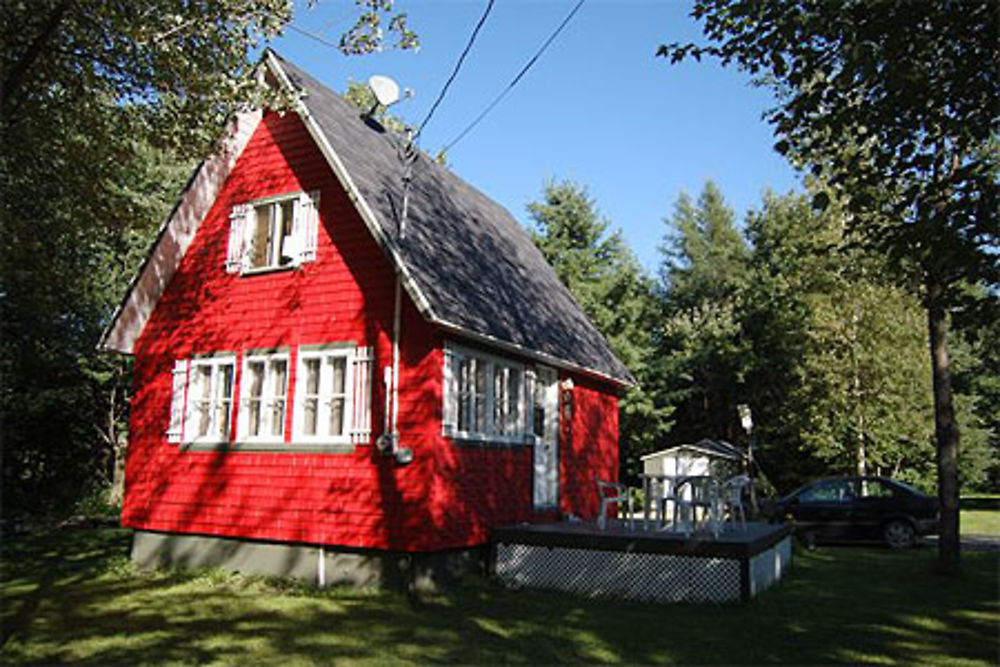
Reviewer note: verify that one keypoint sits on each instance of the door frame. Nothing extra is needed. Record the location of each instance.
(545, 482)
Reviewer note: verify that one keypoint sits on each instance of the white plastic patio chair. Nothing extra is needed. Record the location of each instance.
(663, 491)
(732, 498)
(612, 492)
(699, 492)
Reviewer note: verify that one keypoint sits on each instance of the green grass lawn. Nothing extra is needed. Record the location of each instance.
(980, 522)
(73, 596)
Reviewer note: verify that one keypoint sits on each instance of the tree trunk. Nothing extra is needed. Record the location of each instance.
(117, 494)
(946, 430)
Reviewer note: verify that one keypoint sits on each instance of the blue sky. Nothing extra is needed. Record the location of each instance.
(597, 107)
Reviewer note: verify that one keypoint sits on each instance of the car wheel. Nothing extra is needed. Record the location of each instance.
(899, 534)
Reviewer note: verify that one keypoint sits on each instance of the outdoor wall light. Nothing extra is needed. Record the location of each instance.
(567, 392)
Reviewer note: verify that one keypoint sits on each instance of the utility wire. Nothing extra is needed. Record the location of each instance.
(454, 73)
(510, 86)
(313, 35)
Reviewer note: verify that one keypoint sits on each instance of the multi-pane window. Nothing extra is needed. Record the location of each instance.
(472, 374)
(210, 400)
(484, 397)
(264, 397)
(273, 233)
(332, 398)
(324, 395)
(506, 399)
(272, 243)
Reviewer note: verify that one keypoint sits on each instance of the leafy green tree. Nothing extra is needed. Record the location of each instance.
(702, 355)
(63, 403)
(853, 381)
(103, 105)
(977, 398)
(787, 251)
(864, 395)
(893, 106)
(607, 281)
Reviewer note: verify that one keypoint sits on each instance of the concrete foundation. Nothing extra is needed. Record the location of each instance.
(320, 565)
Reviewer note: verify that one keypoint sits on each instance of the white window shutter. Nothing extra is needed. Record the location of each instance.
(450, 391)
(361, 392)
(307, 223)
(237, 252)
(175, 432)
(292, 244)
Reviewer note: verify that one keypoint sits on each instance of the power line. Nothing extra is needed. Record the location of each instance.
(454, 73)
(313, 35)
(510, 86)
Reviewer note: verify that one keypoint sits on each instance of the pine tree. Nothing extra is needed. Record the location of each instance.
(702, 356)
(607, 281)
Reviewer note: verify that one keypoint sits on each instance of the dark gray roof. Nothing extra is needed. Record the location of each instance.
(475, 266)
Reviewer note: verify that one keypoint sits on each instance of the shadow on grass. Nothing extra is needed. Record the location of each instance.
(72, 596)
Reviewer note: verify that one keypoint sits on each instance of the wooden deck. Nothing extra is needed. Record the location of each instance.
(651, 564)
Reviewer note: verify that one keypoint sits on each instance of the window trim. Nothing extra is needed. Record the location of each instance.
(453, 355)
(214, 362)
(305, 353)
(243, 410)
(275, 202)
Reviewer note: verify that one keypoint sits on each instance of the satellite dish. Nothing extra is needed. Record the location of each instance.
(386, 90)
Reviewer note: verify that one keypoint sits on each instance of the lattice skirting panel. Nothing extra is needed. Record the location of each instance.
(635, 576)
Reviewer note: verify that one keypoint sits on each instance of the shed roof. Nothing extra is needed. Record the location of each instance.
(712, 448)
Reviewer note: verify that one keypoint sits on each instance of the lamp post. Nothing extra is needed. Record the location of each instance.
(746, 420)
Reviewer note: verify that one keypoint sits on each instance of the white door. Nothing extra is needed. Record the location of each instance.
(545, 426)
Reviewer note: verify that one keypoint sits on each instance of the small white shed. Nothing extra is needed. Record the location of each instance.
(685, 460)
(704, 457)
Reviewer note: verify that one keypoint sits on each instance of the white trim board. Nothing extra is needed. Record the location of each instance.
(176, 235)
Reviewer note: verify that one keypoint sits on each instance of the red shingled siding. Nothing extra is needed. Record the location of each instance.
(448, 497)
(589, 448)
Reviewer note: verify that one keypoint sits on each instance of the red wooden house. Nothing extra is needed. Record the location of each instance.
(322, 381)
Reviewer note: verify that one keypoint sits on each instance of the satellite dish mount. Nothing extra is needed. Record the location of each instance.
(386, 92)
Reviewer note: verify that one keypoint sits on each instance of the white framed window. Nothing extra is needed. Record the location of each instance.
(323, 397)
(473, 380)
(201, 406)
(273, 233)
(271, 242)
(263, 398)
(484, 397)
(332, 395)
(507, 382)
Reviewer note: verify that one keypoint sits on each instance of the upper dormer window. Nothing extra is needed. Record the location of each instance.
(272, 239)
(273, 233)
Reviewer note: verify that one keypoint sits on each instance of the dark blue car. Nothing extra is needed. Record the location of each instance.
(859, 508)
